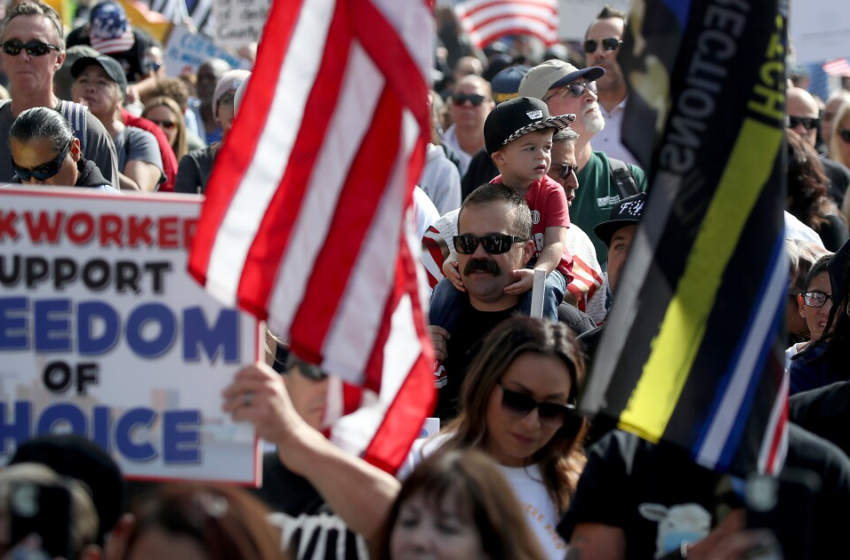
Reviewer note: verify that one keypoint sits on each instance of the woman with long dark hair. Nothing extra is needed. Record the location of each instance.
(807, 194)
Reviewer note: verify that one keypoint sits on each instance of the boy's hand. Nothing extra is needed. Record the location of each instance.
(450, 269)
(524, 282)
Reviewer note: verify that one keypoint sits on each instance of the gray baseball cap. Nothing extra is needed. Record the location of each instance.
(554, 73)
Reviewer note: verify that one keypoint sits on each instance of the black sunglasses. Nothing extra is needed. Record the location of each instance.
(461, 98)
(167, 125)
(815, 299)
(44, 171)
(844, 133)
(495, 244)
(809, 123)
(608, 43)
(566, 170)
(521, 405)
(575, 89)
(33, 48)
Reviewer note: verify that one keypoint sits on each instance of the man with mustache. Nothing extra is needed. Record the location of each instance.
(601, 45)
(566, 89)
(494, 239)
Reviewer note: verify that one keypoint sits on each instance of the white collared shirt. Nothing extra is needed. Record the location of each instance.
(608, 140)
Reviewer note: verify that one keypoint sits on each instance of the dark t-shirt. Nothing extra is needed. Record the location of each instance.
(839, 179)
(824, 412)
(469, 329)
(194, 171)
(481, 170)
(634, 485)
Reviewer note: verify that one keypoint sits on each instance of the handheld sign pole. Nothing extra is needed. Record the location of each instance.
(538, 289)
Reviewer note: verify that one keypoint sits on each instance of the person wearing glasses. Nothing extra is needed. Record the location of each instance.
(518, 409)
(518, 406)
(824, 360)
(33, 50)
(584, 291)
(814, 303)
(471, 101)
(44, 151)
(196, 166)
(803, 119)
(166, 114)
(839, 138)
(100, 82)
(601, 45)
(566, 89)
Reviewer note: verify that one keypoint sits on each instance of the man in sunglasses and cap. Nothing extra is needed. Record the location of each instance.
(604, 181)
(33, 50)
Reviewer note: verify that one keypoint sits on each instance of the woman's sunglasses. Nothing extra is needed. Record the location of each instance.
(608, 44)
(33, 48)
(844, 134)
(167, 125)
(576, 89)
(44, 171)
(553, 414)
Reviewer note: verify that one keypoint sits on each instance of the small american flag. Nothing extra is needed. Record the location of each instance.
(838, 67)
(306, 218)
(488, 20)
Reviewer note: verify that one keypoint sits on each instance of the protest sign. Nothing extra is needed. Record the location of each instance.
(103, 333)
(186, 51)
(239, 22)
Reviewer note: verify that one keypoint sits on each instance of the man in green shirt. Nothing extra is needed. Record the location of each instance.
(566, 89)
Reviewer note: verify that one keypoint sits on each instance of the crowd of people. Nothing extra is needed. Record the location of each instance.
(526, 176)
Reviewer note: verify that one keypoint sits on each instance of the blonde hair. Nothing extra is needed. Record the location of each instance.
(835, 152)
(179, 145)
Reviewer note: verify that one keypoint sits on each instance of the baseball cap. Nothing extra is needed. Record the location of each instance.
(111, 66)
(626, 212)
(555, 73)
(109, 31)
(505, 84)
(517, 117)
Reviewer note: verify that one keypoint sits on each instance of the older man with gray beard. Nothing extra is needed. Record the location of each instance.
(566, 89)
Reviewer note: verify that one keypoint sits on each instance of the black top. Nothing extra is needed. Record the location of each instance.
(90, 175)
(824, 412)
(194, 170)
(465, 342)
(634, 485)
(481, 170)
(839, 179)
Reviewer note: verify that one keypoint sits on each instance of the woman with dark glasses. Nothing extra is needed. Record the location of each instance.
(45, 151)
(518, 406)
(839, 140)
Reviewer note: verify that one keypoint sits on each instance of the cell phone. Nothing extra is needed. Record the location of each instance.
(786, 506)
(45, 510)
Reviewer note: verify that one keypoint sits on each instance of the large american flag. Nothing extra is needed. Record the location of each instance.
(488, 20)
(305, 222)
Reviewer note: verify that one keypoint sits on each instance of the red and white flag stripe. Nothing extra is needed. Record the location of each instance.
(488, 20)
(838, 67)
(305, 221)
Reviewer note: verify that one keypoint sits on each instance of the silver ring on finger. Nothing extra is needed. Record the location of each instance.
(247, 399)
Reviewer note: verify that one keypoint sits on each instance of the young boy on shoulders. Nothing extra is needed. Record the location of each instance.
(518, 137)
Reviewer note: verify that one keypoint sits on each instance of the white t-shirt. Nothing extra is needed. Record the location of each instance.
(539, 510)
